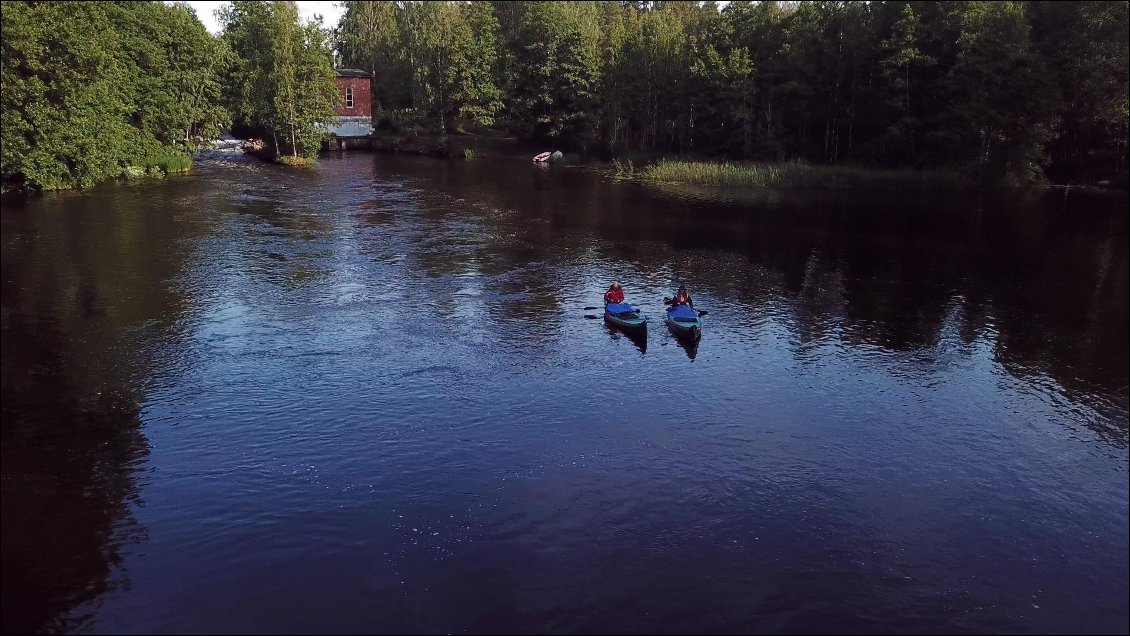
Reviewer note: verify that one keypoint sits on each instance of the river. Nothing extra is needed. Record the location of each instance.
(367, 397)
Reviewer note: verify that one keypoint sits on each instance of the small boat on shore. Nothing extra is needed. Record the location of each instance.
(543, 157)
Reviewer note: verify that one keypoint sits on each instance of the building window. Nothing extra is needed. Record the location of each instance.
(349, 97)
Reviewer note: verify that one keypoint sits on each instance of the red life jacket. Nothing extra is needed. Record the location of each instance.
(681, 299)
(614, 296)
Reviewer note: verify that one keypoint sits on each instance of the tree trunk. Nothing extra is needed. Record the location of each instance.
(769, 116)
(442, 114)
(910, 125)
(377, 106)
(827, 136)
(907, 89)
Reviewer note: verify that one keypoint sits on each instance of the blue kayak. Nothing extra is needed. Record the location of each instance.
(626, 318)
(684, 322)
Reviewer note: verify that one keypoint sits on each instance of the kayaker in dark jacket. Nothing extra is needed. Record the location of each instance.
(615, 294)
(681, 298)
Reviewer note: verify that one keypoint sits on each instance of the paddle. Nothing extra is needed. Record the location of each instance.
(621, 314)
(628, 312)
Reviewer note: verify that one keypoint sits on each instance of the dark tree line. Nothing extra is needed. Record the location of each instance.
(1008, 90)
(280, 84)
(92, 91)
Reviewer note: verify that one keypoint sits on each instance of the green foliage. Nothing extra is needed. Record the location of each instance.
(623, 168)
(478, 94)
(992, 88)
(439, 41)
(722, 100)
(556, 72)
(370, 40)
(799, 174)
(440, 59)
(1085, 45)
(283, 77)
(94, 91)
(294, 161)
(1004, 106)
(901, 55)
(169, 164)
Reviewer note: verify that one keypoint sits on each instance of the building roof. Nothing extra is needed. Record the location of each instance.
(352, 72)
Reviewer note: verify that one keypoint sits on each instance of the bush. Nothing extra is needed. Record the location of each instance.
(169, 164)
(798, 174)
(289, 160)
(623, 168)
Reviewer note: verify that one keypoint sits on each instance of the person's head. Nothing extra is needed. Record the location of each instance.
(682, 289)
(615, 285)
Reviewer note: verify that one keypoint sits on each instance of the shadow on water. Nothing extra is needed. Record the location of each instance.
(80, 307)
(690, 347)
(639, 340)
(69, 484)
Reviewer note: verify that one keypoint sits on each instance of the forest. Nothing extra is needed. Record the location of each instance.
(93, 91)
(1012, 92)
(1008, 90)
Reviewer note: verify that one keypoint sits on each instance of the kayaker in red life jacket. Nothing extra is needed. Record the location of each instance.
(615, 294)
(681, 298)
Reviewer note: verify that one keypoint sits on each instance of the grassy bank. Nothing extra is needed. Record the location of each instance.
(155, 167)
(158, 166)
(793, 175)
(171, 164)
(257, 148)
(290, 160)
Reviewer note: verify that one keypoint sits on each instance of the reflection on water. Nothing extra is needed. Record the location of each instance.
(638, 340)
(690, 347)
(377, 379)
(85, 311)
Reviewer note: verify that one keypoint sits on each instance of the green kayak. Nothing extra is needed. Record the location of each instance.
(626, 318)
(684, 322)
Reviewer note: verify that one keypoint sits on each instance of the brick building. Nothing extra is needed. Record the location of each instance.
(355, 113)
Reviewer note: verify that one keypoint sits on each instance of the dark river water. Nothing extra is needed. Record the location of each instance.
(366, 397)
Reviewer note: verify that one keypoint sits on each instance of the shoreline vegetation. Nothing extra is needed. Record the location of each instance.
(705, 172)
(793, 174)
(888, 94)
(260, 150)
(160, 167)
(101, 91)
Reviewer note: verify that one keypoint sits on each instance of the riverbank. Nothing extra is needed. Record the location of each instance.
(432, 146)
(159, 167)
(406, 133)
(465, 140)
(162, 166)
(792, 174)
(259, 149)
(702, 173)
